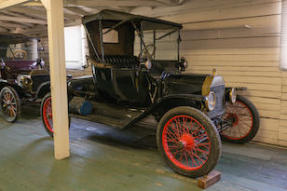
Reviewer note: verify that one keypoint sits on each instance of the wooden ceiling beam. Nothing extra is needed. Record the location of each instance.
(108, 3)
(4, 29)
(70, 15)
(76, 11)
(31, 31)
(12, 25)
(172, 2)
(39, 14)
(22, 19)
(9, 3)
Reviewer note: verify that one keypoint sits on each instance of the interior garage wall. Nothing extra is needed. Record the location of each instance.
(241, 39)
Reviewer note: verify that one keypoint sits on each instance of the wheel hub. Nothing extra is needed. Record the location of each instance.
(187, 141)
(234, 118)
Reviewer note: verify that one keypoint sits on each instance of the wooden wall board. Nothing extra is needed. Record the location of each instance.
(246, 57)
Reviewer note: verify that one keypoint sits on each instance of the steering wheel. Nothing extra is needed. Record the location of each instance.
(20, 54)
(145, 53)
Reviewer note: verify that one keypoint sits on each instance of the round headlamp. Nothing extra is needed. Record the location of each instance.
(232, 95)
(210, 101)
(27, 81)
(148, 64)
(24, 80)
(183, 64)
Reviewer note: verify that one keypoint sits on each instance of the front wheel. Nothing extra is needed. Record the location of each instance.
(47, 115)
(188, 141)
(245, 121)
(9, 104)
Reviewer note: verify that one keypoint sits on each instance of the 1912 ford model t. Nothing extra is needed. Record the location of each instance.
(137, 71)
(22, 74)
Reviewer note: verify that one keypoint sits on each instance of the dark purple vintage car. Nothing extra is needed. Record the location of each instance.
(22, 74)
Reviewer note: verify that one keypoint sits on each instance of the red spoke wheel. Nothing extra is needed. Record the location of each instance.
(47, 115)
(245, 121)
(188, 141)
(9, 104)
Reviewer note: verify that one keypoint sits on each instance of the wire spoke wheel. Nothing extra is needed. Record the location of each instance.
(244, 118)
(9, 102)
(47, 114)
(188, 141)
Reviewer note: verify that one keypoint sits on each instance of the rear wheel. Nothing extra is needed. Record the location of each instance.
(9, 104)
(47, 115)
(188, 141)
(245, 121)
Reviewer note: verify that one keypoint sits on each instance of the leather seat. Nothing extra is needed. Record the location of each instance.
(121, 60)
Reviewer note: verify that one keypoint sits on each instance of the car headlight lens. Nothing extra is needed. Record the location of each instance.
(148, 64)
(183, 64)
(210, 101)
(232, 95)
(24, 80)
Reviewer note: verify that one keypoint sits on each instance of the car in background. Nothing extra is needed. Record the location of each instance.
(23, 76)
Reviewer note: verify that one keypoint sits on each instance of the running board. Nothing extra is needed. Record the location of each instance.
(112, 115)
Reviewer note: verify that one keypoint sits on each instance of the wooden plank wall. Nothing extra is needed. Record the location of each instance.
(241, 39)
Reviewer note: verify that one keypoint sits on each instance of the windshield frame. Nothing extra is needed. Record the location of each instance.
(170, 30)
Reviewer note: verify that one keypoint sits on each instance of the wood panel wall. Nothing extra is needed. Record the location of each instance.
(241, 39)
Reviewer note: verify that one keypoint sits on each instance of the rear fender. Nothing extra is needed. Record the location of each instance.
(43, 89)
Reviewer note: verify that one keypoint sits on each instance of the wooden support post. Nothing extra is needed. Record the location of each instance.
(55, 18)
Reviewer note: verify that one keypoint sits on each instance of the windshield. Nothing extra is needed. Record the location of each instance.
(160, 40)
(20, 51)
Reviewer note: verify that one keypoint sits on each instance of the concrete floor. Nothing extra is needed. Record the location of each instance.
(103, 158)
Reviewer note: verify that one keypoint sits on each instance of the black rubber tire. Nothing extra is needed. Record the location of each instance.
(256, 122)
(48, 95)
(18, 104)
(215, 151)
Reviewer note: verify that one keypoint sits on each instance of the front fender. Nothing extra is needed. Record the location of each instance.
(166, 103)
(18, 89)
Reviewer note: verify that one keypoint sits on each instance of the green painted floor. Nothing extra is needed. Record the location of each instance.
(103, 158)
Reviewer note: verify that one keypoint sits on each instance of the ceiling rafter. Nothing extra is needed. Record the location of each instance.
(22, 19)
(77, 11)
(39, 14)
(13, 25)
(30, 18)
(9, 3)
(108, 3)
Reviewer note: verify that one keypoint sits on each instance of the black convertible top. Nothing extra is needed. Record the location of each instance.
(122, 16)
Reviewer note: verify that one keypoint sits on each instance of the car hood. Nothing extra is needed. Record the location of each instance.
(189, 83)
(21, 64)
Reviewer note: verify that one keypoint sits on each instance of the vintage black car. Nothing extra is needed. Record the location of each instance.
(22, 74)
(137, 71)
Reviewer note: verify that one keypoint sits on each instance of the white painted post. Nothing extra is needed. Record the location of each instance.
(55, 18)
